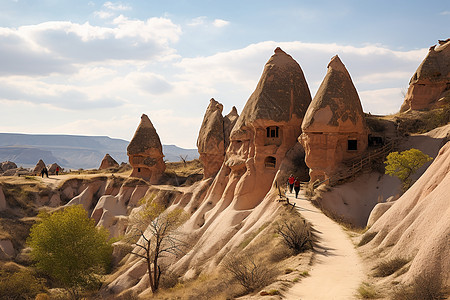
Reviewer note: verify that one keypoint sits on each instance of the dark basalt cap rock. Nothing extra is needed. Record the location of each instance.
(144, 138)
(281, 92)
(337, 96)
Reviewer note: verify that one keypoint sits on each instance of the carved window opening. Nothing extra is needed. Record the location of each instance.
(272, 131)
(139, 170)
(352, 145)
(270, 162)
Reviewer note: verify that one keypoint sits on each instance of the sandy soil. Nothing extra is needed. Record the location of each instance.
(337, 270)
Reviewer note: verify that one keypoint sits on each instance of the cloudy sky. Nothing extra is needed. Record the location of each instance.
(93, 67)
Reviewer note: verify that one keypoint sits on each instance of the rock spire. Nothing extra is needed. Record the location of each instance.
(145, 152)
(430, 85)
(334, 128)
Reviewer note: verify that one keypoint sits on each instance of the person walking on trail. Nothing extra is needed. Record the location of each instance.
(296, 187)
(291, 181)
(44, 171)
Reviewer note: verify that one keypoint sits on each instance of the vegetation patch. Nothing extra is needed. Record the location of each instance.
(296, 234)
(366, 238)
(20, 284)
(389, 267)
(422, 121)
(367, 291)
(426, 286)
(249, 273)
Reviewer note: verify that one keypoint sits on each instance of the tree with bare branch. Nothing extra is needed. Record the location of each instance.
(154, 235)
(183, 159)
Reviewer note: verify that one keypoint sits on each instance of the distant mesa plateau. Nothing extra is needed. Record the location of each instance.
(72, 151)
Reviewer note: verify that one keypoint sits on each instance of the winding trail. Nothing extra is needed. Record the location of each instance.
(337, 270)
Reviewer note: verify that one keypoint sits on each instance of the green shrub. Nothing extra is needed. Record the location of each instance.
(20, 285)
(68, 247)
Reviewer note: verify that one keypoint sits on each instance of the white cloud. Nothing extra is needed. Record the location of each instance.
(151, 83)
(52, 47)
(197, 21)
(103, 14)
(373, 68)
(203, 21)
(382, 101)
(220, 23)
(445, 13)
(116, 6)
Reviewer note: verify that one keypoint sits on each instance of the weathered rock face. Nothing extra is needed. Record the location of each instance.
(267, 128)
(108, 162)
(228, 123)
(145, 152)
(417, 225)
(430, 85)
(7, 165)
(334, 128)
(39, 166)
(213, 138)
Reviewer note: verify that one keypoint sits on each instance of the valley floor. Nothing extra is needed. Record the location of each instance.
(337, 269)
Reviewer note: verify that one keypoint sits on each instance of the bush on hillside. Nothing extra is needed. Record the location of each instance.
(296, 234)
(404, 164)
(22, 284)
(425, 287)
(247, 272)
(68, 247)
(389, 267)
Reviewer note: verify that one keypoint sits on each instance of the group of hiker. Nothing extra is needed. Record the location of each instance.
(294, 183)
(44, 171)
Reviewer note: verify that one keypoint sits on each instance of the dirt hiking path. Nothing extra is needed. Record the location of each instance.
(337, 270)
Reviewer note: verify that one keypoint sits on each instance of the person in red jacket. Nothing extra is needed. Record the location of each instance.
(296, 186)
(291, 181)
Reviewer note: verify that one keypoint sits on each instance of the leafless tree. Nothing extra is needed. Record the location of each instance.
(183, 159)
(154, 235)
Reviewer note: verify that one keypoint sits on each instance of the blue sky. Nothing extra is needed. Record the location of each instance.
(93, 67)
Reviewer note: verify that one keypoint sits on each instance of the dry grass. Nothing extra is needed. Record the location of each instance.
(367, 291)
(424, 287)
(422, 121)
(366, 238)
(389, 267)
(249, 272)
(185, 169)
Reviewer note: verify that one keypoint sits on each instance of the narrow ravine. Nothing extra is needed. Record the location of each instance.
(337, 269)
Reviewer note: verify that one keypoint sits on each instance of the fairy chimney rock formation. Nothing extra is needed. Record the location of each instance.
(39, 166)
(145, 152)
(334, 128)
(430, 85)
(266, 129)
(53, 167)
(228, 123)
(211, 139)
(108, 162)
